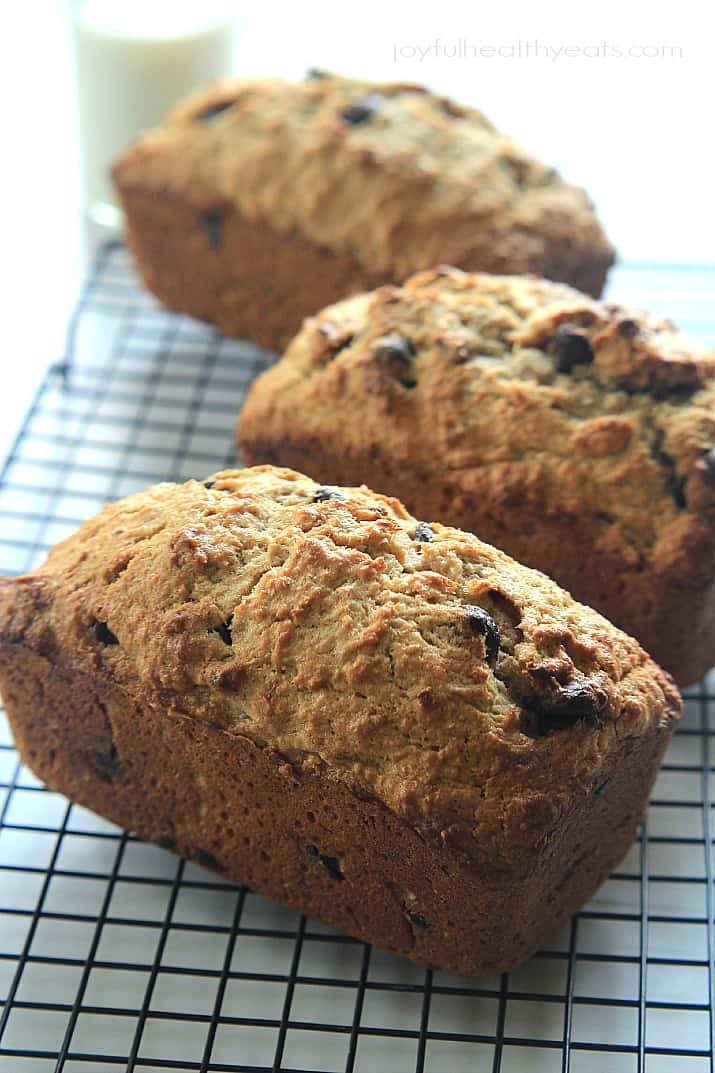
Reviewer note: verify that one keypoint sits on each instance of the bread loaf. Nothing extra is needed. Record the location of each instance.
(577, 435)
(389, 725)
(259, 201)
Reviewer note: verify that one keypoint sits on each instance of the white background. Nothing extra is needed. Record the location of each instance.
(638, 132)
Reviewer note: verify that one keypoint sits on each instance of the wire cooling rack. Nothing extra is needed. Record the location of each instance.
(114, 953)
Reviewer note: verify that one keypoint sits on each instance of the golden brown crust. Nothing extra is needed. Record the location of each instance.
(435, 674)
(576, 435)
(307, 839)
(234, 272)
(417, 181)
(217, 664)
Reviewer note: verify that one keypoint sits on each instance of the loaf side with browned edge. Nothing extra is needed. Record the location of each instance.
(391, 726)
(579, 436)
(259, 201)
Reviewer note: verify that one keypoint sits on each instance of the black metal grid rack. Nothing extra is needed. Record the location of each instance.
(115, 954)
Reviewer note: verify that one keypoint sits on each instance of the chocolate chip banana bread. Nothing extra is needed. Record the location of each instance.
(260, 201)
(387, 724)
(576, 435)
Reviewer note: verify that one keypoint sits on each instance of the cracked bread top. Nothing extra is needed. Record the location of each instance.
(471, 695)
(545, 397)
(390, 174)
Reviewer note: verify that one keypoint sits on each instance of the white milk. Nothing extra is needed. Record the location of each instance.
(135, 59)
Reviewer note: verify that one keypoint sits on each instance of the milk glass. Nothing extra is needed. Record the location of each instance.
(134, 60)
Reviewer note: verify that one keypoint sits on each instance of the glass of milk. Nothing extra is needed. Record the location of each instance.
(135, 59)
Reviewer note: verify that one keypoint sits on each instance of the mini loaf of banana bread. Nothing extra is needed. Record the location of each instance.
(575, 435)
(259, 201)
(389, 725)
